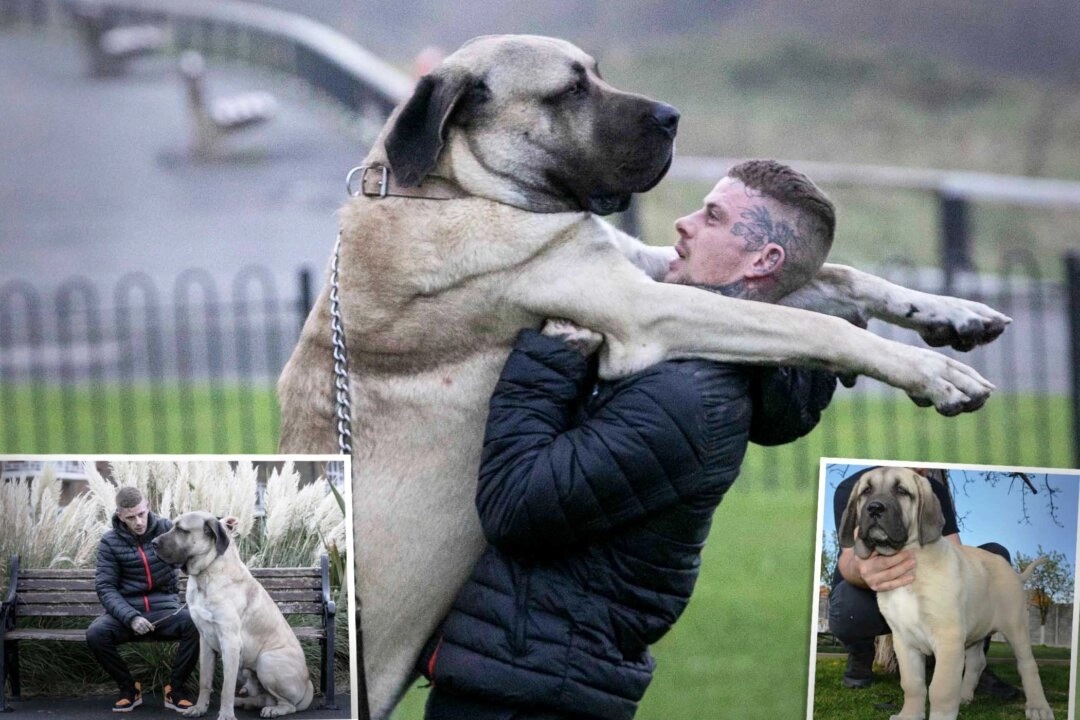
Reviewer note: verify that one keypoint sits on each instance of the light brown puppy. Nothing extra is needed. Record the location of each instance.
(530, 143)
(237, 619)
(960, 595)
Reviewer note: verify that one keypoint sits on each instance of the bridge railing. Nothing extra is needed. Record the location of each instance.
(326, 59)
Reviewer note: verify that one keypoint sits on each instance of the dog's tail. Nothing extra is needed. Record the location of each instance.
(1025, 575)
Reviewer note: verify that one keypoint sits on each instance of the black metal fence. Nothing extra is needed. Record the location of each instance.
(192, 367)
(142, 369)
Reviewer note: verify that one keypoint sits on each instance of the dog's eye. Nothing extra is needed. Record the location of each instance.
(578, 88)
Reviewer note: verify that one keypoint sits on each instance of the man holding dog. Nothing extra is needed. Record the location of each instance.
(597, 496)
(139, 593)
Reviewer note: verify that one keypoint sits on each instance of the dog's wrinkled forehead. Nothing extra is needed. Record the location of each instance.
(497, 58)
(887, 481)
(194, 521)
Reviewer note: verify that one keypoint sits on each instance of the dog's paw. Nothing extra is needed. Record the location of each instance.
(276, 711)
(950, 386)
(223, 715)
(958, 323)
(196, 710)
(584, 340)
(1039, 713)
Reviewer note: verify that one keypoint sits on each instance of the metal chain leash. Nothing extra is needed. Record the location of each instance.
(343, 401)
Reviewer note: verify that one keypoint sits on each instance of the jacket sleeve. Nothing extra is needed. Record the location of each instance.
(547, 480)
(788, 402)
(107, 584)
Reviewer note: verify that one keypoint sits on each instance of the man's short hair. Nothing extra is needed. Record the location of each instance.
(128, 497)
(815, 213)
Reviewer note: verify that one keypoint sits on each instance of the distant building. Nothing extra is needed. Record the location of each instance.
(71, 474)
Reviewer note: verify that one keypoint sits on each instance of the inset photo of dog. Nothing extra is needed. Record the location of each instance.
(169, 585)
(944, 591)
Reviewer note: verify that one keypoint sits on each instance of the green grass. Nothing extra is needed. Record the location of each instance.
(202, 418)
(833, 701)
(1010, 429)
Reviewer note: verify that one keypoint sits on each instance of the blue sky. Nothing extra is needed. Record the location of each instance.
(994, 514)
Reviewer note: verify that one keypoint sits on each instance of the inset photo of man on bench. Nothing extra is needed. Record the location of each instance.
(176, 585)
(948, 587)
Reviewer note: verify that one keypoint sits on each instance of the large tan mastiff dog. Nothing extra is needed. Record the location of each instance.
(530, 144)
(238, 620)
(960, 595)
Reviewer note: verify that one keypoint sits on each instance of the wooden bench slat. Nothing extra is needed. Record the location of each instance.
(286, 572)
(69, 610)
(53, 584)
(46, 634)
(295, 583)
(55, 597)
(50, 573)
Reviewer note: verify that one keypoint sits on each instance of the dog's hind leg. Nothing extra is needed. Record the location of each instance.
(1036, 707)
(974, 662)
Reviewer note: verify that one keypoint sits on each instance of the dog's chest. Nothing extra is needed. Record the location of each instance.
(901, 608)
(203, 612)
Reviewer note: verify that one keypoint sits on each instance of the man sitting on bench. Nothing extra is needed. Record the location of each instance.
(139, 593)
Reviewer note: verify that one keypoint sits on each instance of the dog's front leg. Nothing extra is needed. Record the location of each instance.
(912, 666)
(945, 688)
(653, 261)
(230, 668)
(858, 296)
(644, 322)
(206, 679)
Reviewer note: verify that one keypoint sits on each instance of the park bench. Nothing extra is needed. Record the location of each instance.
(110, 45)
(35, 593)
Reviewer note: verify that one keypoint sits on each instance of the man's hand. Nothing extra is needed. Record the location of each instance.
(887, 572)
(583, 340)
(141, 625)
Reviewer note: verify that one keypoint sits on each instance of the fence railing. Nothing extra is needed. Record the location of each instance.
(192, 368)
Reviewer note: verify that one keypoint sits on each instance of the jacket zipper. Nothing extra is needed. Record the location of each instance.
(149, 577)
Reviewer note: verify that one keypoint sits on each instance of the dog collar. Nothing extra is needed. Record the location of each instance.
(377, 180)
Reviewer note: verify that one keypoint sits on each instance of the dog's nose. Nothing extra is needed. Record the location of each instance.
(154, 542)
(666, 118)
(875, 509)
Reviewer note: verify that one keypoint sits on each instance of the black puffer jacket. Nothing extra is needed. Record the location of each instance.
(597, 509)
(131, 578)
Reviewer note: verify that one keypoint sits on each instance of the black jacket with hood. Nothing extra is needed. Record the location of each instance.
(131, 579)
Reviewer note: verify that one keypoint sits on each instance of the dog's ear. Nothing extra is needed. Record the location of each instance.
(931, 519)
(849, 521)
(221, 535)
(414, 143)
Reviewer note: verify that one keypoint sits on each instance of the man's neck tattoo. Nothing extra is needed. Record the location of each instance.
(739, 289)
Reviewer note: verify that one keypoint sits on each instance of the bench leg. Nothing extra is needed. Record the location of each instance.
(3, 677)
(13, 665)
(329, 694)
